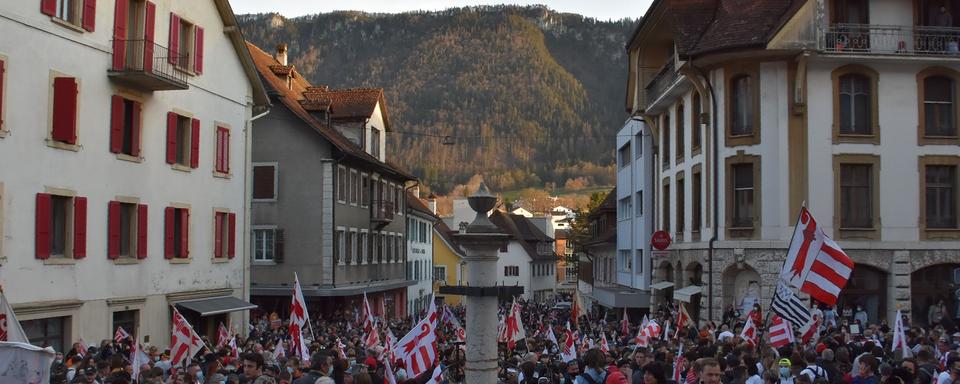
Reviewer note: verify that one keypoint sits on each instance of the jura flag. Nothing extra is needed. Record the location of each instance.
(222, 335)
(184, 342)
(900, 337)
(10, 329)
(604, 347)
(436, 377)
(298, 320)
(552, 336)
(749, 332)
(780, 332)
(418, 348)
(372, 338)
(678, 366)
(120, 335)
(567, 350)
(22, 363)
(815, 263)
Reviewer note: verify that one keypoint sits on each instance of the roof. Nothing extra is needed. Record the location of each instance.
(446, 235)
(560, 234)
(608, 204)
(232, 30)
(292, 97)
(416, 205)
(351, 103)
(522, 230)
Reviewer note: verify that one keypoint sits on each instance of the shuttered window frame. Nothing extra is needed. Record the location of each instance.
(169, 236)
(115, 127)
(221, 150)
(276, 180)
(224, 235)
(173, 140)
(68, 113)
(84, 19)
(139, 247)
(75, 223)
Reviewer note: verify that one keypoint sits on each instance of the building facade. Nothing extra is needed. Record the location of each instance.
(448, 264)
(420, 267)
(125, 167)
(760, 110)
(327, 204)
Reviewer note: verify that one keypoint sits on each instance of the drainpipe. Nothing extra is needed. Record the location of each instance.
(248, 206)
(716, 192)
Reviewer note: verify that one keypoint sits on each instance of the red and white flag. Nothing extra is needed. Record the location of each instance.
(815, 263)
(642, 340)
(567, 351)
(650, 331)
(810, 331)
(299, 319)
(418, 348)
(749, 332)
(278, 351)
(10, 329)
(604, 347)
(678, 366)
(552, 336)
(576, 308)
(900, 337)
(683, 318)
(234, 351)
(372, 338)
(625, 323)
(388, 373)
(437, 376)
(780, 332)
(137, 359)
(121, 334)
(184, 342)
(222, 336)
(513, 330)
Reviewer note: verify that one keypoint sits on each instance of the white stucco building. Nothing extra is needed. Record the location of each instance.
(848, 107)
(124, 146)
(420, 270)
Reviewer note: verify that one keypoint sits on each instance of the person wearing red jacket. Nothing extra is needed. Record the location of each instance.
(619, 372)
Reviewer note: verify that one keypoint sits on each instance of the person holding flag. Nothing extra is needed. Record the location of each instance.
(299, 318)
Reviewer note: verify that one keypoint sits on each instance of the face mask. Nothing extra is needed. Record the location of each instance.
(200, 376)
(330, 371)
(784, 372)
(290, 370)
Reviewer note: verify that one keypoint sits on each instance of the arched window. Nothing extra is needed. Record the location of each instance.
(939, 115)
(695, 124)
(855, 104)
(681, 143)
(742, 105)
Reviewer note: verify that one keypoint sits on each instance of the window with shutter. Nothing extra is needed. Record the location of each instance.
(125, 126)
(76, 13)
(341, 185)
(264, 181)
(176, 232)
(264, 244)
(194, 143)
(79, 249)
(222, 156)
(231, 236)
(186, 45)
(141, 231)
(219, 234)
(183, 144)
(64, 119)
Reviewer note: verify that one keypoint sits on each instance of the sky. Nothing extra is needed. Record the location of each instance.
(599, 9)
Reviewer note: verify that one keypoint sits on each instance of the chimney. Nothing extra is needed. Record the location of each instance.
(432, 203)
(281, 56)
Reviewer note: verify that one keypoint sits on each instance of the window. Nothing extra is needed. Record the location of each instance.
(375, 142)
(939, 194)
(665, 149)
(938, 107)
(342, 185)
(351, 249)
(354, 187)
(79, 13)
(855, 105)
(638, 143)
(61, 226)
(695, 123)
(364, 190)
(851, 12)
(363, 248)
(126, 230)
(743, 202)
(264, 181)
(222, 161)
(625, 260)
(264, 244)
(381, 240)
(388, 239)
(624, 155)
(638, 204)
(511, 270)
(681, 205)
(134, 29)
(742, 106)
(186, 45)
(696, 214)
(855, 207)
(64, 120)
(49, 332)
(665, 197)
(125, 123)
(176, 233)
(401, 251)
(224, 229)
(340, 250)
(183, 140)
(374, 249)
(128, 320)
(440, 272)
(640, 259)
(399, 199)
(681, 141)
(625, 207)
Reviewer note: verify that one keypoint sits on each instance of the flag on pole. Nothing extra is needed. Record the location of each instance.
(815, 264)
(388, 372)
(683, 318)
(513, 330)
(568, 352)
(788, 306)
(418, 348)
(278, 351)
(184, 342)
(222, 336)
(298, 320)
(552, 336)
(678, 366)
(436, 377)
(604, 347)
(749, 332)
(120, 335)
(137, 358)
(625, 323)
(576, 308)
(810, 331)
(900, 337)
(372, 338)
(234, 351)
(10, 329)
(780, 332)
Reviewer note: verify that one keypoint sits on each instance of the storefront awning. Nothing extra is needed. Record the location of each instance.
(216, 305)
(686, 293)
(661, 285)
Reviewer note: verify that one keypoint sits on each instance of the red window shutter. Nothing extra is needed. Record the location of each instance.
(217, 235)
(65, 109)
(113, 230)
(195, 143)
(169, 215)
(44, 203)
(218, 157)
(184, 233)
(116, 124)
(226, 150)
(3, 69)
(149, 24)
(142, 231)
(171, 137)
(79, 227)
(232, 235)
(198, 50)
(89, 14)
(120, 34)
(48, 7)
(135, 132)
(174, 39)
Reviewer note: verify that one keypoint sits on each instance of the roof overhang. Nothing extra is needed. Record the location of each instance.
(232, 30)
(686, 294)
(216, 305)
(661, 286)
(314, 291)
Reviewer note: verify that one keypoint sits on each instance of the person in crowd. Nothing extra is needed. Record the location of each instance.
(253, 369)
(867, 373)
(593, 372)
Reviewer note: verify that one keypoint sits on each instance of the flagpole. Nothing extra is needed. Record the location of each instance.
(305, 309)
(776, 288)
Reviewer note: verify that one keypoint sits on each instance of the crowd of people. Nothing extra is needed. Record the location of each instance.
(709, 354)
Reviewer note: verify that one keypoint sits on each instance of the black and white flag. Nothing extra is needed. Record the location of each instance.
(788, 306)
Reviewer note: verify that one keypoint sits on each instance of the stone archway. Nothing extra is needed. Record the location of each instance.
(693, 274)
(866, 288)
(931, 284)
(665, 271)
(741, 288)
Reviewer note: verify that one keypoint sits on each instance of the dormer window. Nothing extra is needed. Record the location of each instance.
(375, 142)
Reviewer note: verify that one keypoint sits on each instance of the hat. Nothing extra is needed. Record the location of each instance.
(622, 362)
(821, 347)
(784, 363)
(370, 362)
(90, 370)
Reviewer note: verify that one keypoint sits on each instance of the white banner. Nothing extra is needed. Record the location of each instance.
(22, 363)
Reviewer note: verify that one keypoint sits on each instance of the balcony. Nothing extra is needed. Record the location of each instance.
(898, 40)
(381, 213)
(146, 66)
(662, 86)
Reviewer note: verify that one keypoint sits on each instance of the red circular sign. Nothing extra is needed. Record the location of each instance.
(660, 240)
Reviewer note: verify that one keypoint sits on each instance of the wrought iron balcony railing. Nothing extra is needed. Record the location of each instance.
(381, 211)
(147, 65)
(890, 40)
(665, 77)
